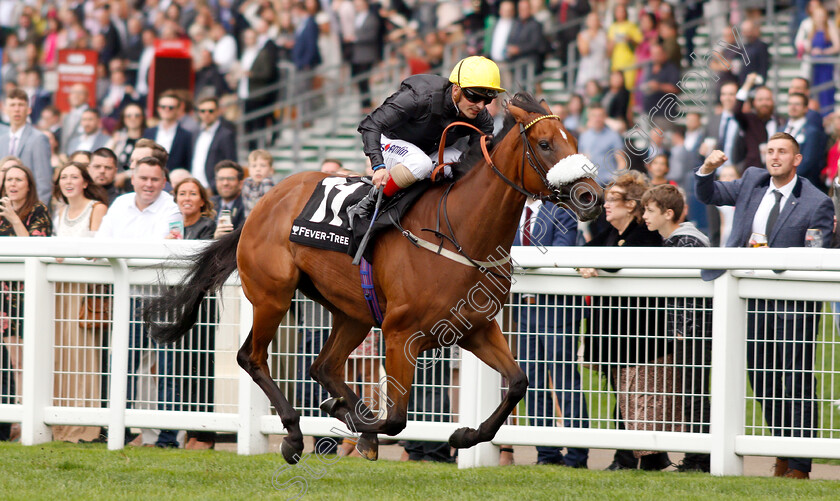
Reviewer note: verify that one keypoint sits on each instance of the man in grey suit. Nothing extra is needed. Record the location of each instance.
(782, 205)
(724, 129)
(27, 143)
(92, 138)
(71, 125)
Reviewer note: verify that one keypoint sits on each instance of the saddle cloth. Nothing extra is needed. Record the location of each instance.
(323, 223)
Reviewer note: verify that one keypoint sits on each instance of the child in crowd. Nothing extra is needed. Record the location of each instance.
(689, 319)
(664, 207)
(260, 168)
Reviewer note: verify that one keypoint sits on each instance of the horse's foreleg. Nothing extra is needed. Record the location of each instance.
(399, 354)
(491, 348)
(253, 358)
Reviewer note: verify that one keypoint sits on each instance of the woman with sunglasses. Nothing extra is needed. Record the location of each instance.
(129, 129)
(625, 339)
(401, 136)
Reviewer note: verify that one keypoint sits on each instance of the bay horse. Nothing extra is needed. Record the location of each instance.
(417, 289)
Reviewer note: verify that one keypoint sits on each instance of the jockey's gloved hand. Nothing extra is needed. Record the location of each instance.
(490, 141)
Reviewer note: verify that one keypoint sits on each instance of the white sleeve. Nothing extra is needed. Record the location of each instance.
(106, 228)
(225, 54)
(171, 215)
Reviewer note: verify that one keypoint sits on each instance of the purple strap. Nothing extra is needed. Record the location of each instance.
(372, 301)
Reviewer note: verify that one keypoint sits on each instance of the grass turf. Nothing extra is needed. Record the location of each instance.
(90, 472)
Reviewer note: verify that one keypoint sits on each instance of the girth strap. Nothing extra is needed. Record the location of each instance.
(366, 272)
(438, 249)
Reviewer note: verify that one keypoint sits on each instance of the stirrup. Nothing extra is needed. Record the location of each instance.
(364, 207)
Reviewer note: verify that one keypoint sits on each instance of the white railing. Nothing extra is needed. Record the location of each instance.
(241, 408)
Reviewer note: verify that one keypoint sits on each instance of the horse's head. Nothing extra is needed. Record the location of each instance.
(550, 166)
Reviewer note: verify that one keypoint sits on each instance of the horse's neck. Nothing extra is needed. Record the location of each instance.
(484, 212)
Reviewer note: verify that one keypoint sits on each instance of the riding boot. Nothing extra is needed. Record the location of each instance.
(364, 208)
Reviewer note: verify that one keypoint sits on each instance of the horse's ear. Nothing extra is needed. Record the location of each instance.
(545, 105)
(518, 113)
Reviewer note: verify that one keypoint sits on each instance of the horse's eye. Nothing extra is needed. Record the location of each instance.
(545, 145)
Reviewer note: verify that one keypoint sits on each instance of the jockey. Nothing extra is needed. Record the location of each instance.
(401, 136)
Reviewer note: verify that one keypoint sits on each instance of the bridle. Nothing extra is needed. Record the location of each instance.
(528, 155)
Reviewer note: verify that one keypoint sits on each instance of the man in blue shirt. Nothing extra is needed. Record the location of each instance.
(600, 144)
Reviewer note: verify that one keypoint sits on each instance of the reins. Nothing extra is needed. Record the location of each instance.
(528, 155)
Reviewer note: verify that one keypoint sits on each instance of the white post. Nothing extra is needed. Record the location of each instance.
(253, 404)
(480, 395)
(119, 355)
(728, 376)
(38, 336)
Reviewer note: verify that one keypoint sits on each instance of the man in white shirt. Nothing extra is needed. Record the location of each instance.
(214, 143)
(147, 214)
(781, 205)
(724, 129)
(501, 32)
(176, 140)
(810, 136)
(148, 37)
(224, 50)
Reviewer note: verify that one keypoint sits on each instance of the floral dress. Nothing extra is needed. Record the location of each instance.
(38, 224)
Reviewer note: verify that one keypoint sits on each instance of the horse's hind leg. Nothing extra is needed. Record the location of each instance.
(328, 370)
(492, 349)
(253, 357)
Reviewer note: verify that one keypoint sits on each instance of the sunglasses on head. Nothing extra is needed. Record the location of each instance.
(474, 97)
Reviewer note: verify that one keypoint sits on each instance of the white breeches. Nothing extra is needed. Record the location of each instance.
(397, 151)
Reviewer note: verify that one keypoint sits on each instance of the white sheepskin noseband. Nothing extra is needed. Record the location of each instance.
(571, 169)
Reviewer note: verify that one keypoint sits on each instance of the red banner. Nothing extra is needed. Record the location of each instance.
(76, 67)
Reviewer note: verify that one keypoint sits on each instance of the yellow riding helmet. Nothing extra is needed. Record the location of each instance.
(478, 72)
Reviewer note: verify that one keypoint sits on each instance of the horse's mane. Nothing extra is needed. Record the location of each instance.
(474, 155)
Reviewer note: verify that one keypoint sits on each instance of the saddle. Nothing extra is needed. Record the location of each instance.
(324, 223)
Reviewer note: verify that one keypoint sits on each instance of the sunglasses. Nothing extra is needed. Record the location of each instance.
(133, 115)
(211, 110)
(165, 107)
(474, 97)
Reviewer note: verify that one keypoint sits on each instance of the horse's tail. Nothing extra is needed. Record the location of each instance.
(180, 304)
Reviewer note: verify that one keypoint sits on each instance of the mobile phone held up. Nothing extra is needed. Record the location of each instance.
(225, 217)
(177, 228)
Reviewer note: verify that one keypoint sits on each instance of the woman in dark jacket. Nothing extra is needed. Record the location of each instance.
(200, 343)
(616, 101)
(196, 208)
(624, 331)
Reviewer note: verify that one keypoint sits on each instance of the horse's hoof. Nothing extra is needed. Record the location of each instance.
(290, 453)
(368, 446)
(331, 405)
(459, 438)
